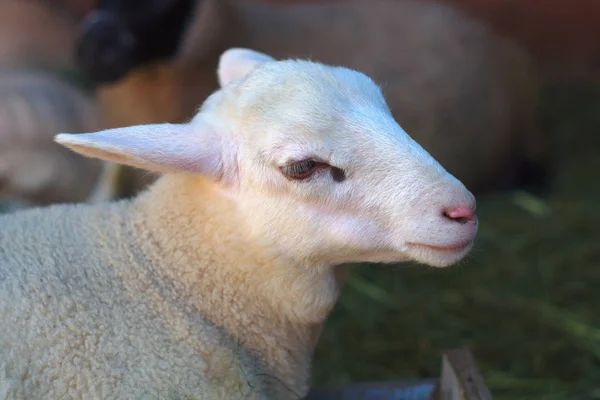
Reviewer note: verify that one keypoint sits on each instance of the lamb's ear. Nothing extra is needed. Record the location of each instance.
(236, 63)
(163, 148)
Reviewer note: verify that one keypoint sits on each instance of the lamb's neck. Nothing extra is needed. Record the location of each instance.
(274, 307)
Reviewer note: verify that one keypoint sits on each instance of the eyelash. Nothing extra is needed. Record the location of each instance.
(301, 169)
(304, 169)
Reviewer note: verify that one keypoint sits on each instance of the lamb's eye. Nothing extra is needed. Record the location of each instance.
(300, 170)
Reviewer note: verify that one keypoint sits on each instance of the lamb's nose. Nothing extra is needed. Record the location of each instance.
(462, 215)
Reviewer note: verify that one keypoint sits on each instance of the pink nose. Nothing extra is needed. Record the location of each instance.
(462, 215)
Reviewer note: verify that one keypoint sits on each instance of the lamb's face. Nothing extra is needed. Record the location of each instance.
(328, 175)
(317, 164)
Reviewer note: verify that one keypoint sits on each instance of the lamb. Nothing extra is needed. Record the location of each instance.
(214, 283)
(34, 106)
(467, 95)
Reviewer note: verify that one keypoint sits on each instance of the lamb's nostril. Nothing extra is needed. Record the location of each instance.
(462, 215)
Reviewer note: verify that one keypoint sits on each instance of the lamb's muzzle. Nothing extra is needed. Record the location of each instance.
(464, 222)
(452, 228)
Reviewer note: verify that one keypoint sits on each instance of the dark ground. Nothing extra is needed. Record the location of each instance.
(527, 300)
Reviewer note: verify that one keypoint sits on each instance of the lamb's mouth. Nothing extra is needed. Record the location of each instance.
(445, 249)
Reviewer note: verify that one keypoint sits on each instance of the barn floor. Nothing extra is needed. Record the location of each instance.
(527, 301)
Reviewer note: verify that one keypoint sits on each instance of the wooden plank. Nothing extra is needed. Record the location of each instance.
(461, 379)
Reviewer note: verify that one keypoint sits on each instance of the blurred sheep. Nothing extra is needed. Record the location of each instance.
(33, 168)
(39, 97)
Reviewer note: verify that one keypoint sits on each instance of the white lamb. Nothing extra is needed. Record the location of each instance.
(215, 282)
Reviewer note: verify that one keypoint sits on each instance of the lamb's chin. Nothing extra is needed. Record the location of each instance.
(437, 256)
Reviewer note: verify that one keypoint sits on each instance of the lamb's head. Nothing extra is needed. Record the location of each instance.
(315, 161)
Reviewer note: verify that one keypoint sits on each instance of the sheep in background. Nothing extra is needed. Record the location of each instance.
(562, 36)
(466, 95)
(36, 33)
(215, 282)
(37, 101)
(34, 170)
(76, 8)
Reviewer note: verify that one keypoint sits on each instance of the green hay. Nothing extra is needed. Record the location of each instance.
(527, 300)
